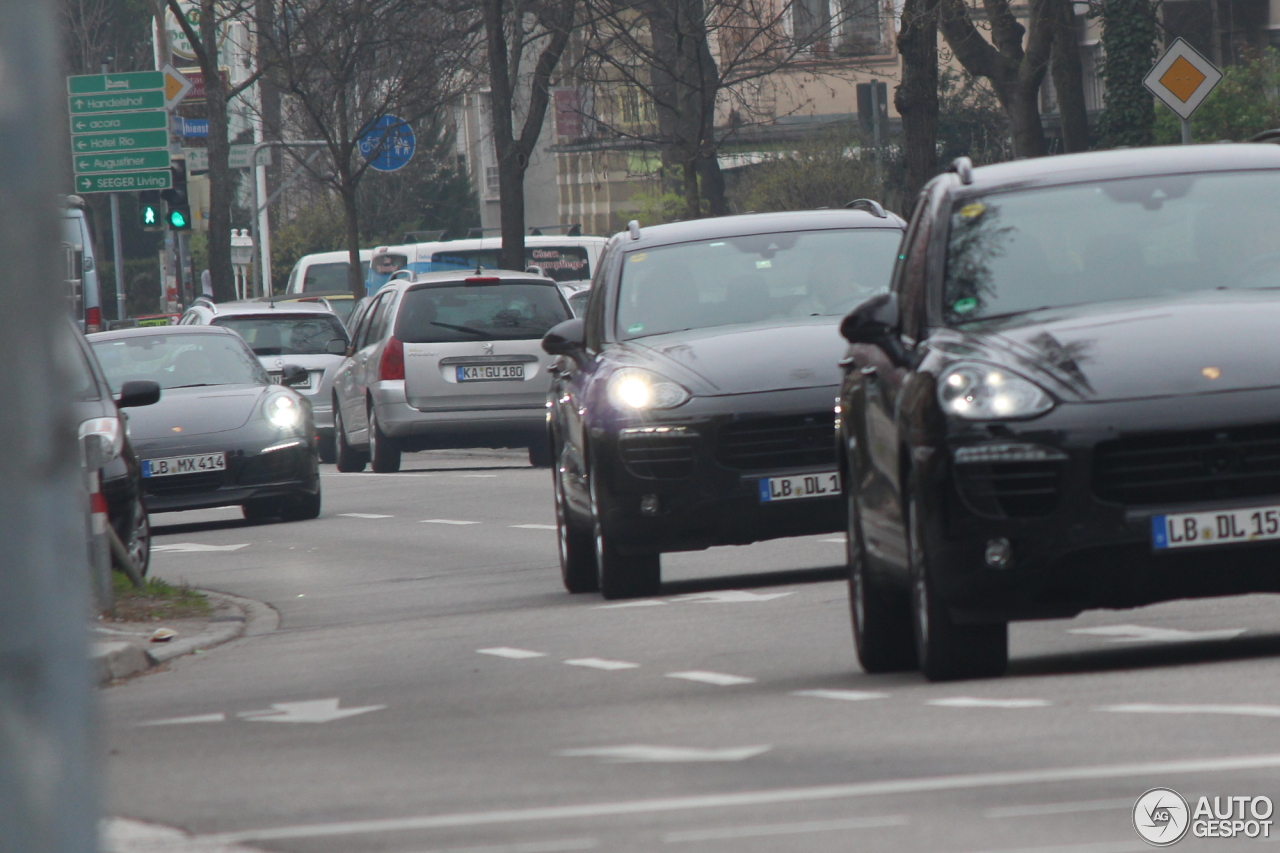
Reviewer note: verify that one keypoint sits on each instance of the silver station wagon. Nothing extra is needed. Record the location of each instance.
(447, 359)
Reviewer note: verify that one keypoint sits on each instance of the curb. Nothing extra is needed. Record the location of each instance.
(233, 617)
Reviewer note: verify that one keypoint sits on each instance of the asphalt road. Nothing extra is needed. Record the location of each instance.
(491, 711)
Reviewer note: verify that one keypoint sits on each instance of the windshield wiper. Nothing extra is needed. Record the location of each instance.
(459, 328)
(196, 385)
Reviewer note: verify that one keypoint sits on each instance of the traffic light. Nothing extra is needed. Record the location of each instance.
(149, 213)
(178, 216)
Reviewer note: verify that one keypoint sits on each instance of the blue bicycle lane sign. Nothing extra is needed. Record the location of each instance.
(389, 144)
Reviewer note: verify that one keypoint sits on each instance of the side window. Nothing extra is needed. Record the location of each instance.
(378, 319)
(594, 319)
(361, 336)
(912, 268)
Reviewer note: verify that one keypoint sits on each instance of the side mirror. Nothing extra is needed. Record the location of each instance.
(337, 346)
(138, 392)
(292, 374)
(874, 321)
(567, 338)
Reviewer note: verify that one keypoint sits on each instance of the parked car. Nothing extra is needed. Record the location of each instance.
(692, 405)
(287, 331)
(223, 434)
(100, 414)
(447, 360)
(1066, 401)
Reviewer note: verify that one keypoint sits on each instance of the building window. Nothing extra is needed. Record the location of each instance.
(860, 31)
(811, 25)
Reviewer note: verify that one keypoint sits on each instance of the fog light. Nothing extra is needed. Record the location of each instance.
(649, 505)
(999, 553)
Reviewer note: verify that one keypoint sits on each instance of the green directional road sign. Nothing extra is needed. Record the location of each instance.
(115, 102)
(133, 81)
(124, 182)
(125, 161)
(149, 120)
(107, 143)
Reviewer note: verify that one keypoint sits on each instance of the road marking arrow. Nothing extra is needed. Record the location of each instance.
(194, 547)
(642, 753)
(1144, 634)
(313, 711)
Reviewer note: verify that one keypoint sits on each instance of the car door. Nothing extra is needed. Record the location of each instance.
(353, 382)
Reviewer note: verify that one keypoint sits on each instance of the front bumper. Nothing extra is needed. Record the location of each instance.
(1080, 524)
(413, 429)
(250, 474)
(704, 461)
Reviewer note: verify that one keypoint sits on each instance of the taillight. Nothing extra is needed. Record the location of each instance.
(392, 364)
(93, 320)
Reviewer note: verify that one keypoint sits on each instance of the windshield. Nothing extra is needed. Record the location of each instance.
(757, 277)
(479, 312)
(299, 334)
(330, 278)
(562, 263)
(1124, 239)
(179, 361)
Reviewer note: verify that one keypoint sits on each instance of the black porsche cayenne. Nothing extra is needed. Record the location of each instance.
(1068, 400)
(693, 403)
(222, 433)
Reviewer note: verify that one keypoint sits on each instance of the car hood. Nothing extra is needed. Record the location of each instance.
(1201, 343)
(802, 353)
(196, 411)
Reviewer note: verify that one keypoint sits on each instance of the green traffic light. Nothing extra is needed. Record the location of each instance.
(149, 216)
(177, 219)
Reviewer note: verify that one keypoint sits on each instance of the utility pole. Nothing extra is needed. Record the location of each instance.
(117, 240)
(48, 778)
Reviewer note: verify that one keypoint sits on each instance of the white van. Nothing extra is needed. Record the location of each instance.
(558, 257)
(81, 270)
(325, 272)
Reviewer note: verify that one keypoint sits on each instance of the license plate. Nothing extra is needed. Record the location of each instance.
(798, 486)
(297, 386)
(184, 465)
(1193, 529)
(490, 372)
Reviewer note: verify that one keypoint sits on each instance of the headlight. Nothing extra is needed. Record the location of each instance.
(635, 389)
(108, 433)
(982, 392)
(283, 412)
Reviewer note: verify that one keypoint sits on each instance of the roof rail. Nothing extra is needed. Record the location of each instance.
(213, 306)
(870, 205)
(963, 167)
(634, 228)
(396, 276)
(1266, 136)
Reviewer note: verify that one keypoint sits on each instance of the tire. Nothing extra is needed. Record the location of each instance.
(947, 651)
(327, 448)
(384, 456)
(138, 540)
(262, 510)
(577, 550)
(620, 575)
(540, 455)
(303, 508)
(349, 460)
(883, 632)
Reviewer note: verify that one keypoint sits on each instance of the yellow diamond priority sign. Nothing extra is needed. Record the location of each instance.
(1182, 78)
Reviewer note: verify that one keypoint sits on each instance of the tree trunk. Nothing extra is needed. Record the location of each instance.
(1023, 108)
(1068, 78)
(711, 178)
(220, 270)
(1129, 49)
(510, 165)
(917, 96)
(511, 191)
(351, 217)
(692, 196)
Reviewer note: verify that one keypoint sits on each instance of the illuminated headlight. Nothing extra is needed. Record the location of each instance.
(982, 392)
(634, 389)
(283, 412)
(109, 434)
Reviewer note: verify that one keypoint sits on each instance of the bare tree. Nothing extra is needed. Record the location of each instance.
(342, 65)
(95, 31)
(513, 27)
(917, 95)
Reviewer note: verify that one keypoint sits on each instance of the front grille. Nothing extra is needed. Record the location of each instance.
(1189, 467)
(1010, 489)
(269, 467)
(184, 484)
(659, 453)
(793, 441)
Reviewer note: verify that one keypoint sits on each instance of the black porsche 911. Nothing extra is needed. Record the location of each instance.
(222, 433)
(693, 403)
(1068, 400)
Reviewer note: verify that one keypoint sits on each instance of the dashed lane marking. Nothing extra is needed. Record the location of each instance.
(839, 540)
(196, 547)
(602, 663)
(846, 695)
(446, 521)
(645, 602)
(758, 831)
(476, 476)
(646, 754)
(513, 654)
(984, 702)
(534, 526)
(1146, 634)
(363, 515)
(720, 679)
(1040, 809)
(1230, 710)
(182, 721)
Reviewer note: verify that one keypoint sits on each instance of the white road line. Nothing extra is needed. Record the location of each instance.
(601, 663)
(196, 547)
(476, 476)
(982, 702)
(1145, 634)
(647, 754)
(1093, 847)
(647, 602)
(534, 526)
(846, 695)
(363, 515)
(839, 540)
(720, 679)
(445, 521)
(182, 721)
(508, 652)
(1237, 710)
(743, 799)
(729, 832)
(366, 474)
(1058, 808)
(560, 846)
